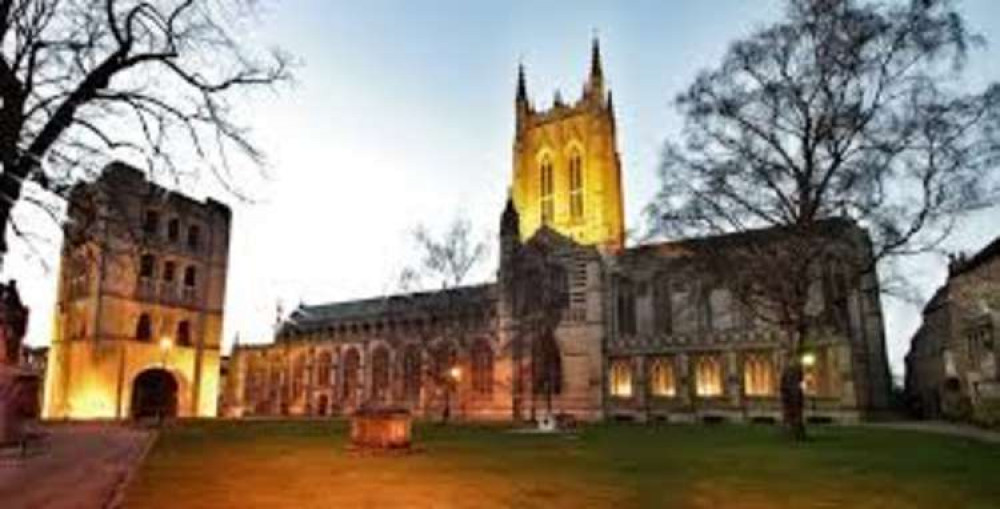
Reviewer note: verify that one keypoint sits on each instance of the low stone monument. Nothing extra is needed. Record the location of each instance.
(376, 429)
(18, 386)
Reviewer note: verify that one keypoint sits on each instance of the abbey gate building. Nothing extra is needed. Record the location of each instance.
(576, 323)
(138, 320)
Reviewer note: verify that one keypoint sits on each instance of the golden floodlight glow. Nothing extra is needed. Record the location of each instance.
(809, 360)
(166, 343)
(456, 373)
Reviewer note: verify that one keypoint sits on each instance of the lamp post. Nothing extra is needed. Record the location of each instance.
(454, 376)
(808, 361)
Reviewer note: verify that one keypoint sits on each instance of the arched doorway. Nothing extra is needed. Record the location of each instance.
(154, 394)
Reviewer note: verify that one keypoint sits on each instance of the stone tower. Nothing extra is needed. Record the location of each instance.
(567, 172)
(138, 321)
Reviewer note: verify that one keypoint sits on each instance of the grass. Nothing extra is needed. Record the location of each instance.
(303, 464)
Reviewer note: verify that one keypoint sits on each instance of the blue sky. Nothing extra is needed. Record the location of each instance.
(402, 114)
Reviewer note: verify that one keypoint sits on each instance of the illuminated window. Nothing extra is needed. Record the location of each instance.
(621, 378)
(708, 376)
(547, 198)
(662, 383)
(758, 375)
(819, 373)
(576, 187)
(482, 368)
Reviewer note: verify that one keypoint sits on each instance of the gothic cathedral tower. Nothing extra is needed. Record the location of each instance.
(567, 173)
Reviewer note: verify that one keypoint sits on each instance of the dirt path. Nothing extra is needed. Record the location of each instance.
(78, 466)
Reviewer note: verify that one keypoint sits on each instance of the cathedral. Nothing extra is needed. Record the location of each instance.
(577, 324)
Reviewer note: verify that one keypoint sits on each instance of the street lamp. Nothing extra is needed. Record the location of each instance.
(809, 359)
(454, 375)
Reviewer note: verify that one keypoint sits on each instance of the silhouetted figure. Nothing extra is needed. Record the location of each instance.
(794, 400)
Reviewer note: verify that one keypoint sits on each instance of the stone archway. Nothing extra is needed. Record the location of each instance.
(154, 394)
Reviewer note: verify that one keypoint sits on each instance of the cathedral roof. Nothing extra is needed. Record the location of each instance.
(693, 245)
(453, 301)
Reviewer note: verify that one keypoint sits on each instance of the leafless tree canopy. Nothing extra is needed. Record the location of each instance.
(845, 113)
(149, 80)
(844, 108)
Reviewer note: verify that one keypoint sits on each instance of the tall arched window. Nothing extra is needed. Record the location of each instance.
(482, 368)
(662, 383)
(380, 373)
(620, 383)
(298, 376)
(444, 360)
(758, 375)
(144, 328)
(576, 186)
(708, 376)
(184, 333)
(411, 372)
(352, 363)
(546, 196)
(323, 367)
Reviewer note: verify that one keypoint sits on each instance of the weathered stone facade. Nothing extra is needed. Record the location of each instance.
(640, 333)
(139, 312)
(951, 368)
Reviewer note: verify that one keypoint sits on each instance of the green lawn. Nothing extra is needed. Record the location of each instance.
(303, 464)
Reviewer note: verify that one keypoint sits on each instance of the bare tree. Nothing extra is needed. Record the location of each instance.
(540, 295)
(452, 313)
(843, 109)
(151, 80)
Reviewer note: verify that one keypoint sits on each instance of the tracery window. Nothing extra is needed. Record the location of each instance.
(380, 373)
(759, 377)
(323, 367)
(708, 376)
(411, 372)
(626, 308)
(620, 383)
(547, 198)
(576, 186)
(352, 364)
(662, 382)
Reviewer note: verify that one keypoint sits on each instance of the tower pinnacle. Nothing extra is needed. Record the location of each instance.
(596, 71)
(522, 89)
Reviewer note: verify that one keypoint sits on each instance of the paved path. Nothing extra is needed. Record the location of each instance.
(944, 428)
(78, 467)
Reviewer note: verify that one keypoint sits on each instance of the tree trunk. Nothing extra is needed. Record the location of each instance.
(793, 400)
